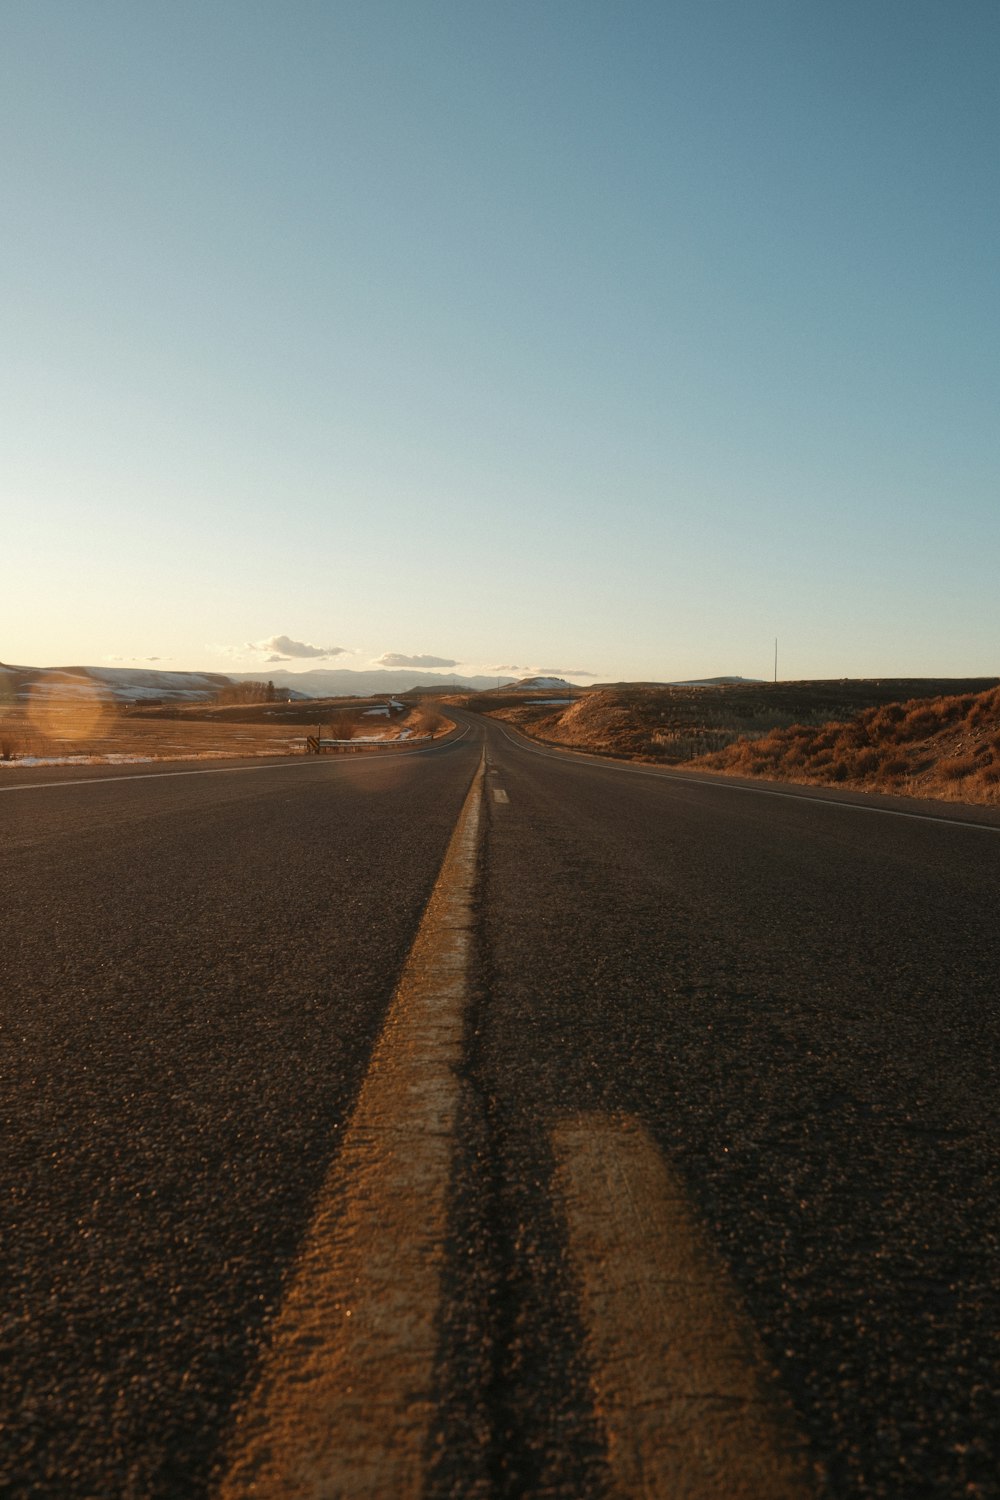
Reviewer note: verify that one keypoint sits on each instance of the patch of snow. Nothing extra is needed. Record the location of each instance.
(76, 760)
(535, 684)
(128, 760)
(150, 682)
(128, 684)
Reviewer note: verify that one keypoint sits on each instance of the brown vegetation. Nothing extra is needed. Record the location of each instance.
(901, 735)
(946, 747)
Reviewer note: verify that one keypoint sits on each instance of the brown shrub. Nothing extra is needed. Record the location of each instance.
(856, 736)
(886, 719)
(426, 721)
(918, 724)
(985, 710)
(960, 756)
(868, 761)
(954, 767)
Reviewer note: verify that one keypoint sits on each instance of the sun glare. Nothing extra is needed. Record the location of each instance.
(69, 708)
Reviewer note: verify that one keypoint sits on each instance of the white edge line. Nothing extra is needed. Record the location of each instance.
(284, 765)
(731, 786)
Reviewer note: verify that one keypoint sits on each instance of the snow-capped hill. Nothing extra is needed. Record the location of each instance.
(539, 685)
(137, 684)
(122, 684)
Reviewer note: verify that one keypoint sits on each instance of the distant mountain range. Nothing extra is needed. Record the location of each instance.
(147, 684)
(342, 682)
(142, 684)
(715, 681)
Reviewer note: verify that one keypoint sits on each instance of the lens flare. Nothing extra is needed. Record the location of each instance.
(68, 708)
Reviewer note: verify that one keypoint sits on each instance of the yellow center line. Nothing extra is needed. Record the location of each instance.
(689, 1406)
(344, 1402)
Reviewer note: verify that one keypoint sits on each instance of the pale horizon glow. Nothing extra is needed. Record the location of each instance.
(625, 337)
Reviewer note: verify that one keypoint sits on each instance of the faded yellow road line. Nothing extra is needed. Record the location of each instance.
(344, 1401)
(681, 1383)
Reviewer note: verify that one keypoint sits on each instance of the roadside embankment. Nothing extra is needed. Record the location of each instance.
(946, 747)
(911, 737)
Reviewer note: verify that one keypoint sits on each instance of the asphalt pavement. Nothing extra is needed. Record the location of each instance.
(795, 998)
(195, 969)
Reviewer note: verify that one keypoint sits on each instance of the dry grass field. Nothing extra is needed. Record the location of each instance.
(921, 737)
(91, 726)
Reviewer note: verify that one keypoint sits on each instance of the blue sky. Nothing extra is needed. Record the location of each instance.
(613, 338)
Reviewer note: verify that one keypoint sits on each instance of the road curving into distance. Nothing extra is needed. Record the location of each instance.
(500, 1122)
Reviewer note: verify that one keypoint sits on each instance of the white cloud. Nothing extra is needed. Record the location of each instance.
(269, 659)
(284, 647)
(395, 659)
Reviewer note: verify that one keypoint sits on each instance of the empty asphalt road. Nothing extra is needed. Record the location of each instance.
(516, 1126)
